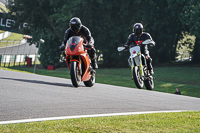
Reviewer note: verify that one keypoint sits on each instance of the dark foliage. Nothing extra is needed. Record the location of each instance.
(110, 23)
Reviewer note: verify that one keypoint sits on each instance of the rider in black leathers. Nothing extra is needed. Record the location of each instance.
(77, 29)
(137, 38)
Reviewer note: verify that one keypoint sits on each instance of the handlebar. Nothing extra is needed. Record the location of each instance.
(148, 41)
(121, 48)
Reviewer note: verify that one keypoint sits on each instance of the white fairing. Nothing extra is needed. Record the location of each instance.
(134, 57)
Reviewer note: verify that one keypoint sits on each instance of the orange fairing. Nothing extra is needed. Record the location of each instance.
(86, 75)
(74, 46)
(75, 52)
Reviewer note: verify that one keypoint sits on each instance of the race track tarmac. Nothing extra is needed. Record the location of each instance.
(28, 96)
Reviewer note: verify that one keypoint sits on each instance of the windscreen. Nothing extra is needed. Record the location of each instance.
(73, 42)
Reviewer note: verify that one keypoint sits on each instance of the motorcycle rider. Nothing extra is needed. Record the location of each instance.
(137, 37)
(77, 29)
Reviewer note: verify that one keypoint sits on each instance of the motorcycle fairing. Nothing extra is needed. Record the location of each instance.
(86, 75)
(135, 58)
(135, 54)
(74, 46)
(75, 52)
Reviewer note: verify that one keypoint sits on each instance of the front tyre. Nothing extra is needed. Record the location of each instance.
(75, 74)
(137, 77)
(91, 81)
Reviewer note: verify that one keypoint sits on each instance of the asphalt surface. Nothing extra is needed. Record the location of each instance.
(20, 49)
(28, 96)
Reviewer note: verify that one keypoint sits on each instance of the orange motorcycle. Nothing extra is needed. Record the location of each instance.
(79, 63)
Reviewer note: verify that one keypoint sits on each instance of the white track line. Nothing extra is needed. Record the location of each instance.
(84, 116)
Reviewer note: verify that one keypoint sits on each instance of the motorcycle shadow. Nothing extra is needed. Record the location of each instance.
(40, 82)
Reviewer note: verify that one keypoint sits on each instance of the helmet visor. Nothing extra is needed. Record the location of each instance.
(138, 31)
(75, 27)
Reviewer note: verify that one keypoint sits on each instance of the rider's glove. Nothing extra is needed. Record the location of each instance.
(62, 47)
(88, 46)
(126, 46)
(152, 45)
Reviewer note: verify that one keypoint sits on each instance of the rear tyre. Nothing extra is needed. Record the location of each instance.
(149, 84)
(90, 82)
(75, 74)
(137, 77)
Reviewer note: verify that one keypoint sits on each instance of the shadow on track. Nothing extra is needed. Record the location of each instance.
(40, 82)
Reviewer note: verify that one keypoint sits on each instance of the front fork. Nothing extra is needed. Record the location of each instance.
(140, 65)
(79, 63)
(141, 69)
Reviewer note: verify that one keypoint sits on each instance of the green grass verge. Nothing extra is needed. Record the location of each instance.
(160, 122)
(14, 37)
(166, 79)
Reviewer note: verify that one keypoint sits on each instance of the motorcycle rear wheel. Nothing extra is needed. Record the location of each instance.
(75, 74)
(149, 84)
(137, 77)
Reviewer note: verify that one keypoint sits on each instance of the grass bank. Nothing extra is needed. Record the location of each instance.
(160, 122)
(13, 39)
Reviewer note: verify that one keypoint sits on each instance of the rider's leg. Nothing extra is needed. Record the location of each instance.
(149, 64)
(92, 54)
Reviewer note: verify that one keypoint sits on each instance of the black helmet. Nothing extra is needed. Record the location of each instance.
(138, 29)
(75, 24)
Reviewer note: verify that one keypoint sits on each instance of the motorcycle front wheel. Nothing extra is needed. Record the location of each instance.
(91, 81)
(137, 77)
(75, 74)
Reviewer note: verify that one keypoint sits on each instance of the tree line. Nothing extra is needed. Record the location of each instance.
(110, 23)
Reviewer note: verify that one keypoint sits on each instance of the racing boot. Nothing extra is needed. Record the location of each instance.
(151, 71)
(93, 56)
(149, 65)
(94, 64)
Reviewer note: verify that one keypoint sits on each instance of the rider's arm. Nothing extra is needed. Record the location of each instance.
(148, 36)
(66, 36)
(88, 36)
(130, 41)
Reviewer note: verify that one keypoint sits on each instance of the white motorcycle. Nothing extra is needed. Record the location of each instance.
(138, 64)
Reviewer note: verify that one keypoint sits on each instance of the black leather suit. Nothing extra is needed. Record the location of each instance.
(134, 40)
